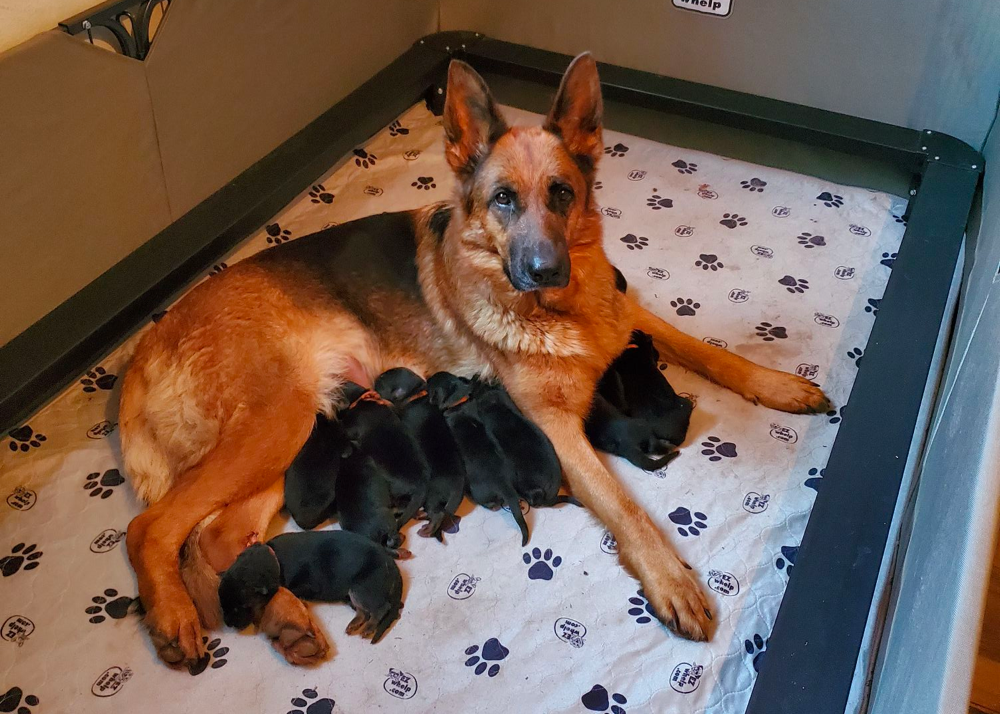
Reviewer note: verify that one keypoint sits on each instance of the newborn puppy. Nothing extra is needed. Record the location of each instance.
(489, 474)
(310, 482)
(647, 394)
(364, 504)
(324, 566)
(537, 474)
(373, 427)
(635, 413)
(421, 415)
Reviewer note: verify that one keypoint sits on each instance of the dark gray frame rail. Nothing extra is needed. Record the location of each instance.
(819, 627)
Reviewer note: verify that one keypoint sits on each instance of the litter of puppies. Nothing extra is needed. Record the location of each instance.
(409, 446)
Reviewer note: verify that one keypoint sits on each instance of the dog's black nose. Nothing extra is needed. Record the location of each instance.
(548, 271)
(539, 264)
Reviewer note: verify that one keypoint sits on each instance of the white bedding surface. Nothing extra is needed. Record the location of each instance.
(782, 268)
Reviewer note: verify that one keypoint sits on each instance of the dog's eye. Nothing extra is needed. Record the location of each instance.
(563, 194)
(503, 198)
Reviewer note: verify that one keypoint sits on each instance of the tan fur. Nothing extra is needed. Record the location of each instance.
(222, 392)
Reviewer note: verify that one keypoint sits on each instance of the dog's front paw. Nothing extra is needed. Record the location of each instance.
(786, 392)
(679, 602)
(175, 629)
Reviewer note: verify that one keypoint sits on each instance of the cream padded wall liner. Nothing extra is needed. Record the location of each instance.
(783, 268)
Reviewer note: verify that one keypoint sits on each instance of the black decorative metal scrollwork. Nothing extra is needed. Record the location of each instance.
(128, 22)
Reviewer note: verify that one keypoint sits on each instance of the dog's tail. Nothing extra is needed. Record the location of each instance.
(200, 579)
(512, 502)
(416, 501)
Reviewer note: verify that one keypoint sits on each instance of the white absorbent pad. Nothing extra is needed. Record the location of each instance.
(784, 269)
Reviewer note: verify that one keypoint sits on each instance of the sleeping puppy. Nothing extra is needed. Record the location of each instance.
(646, 394)
(310, 482)
(364, 503)
(536, 469)
(489, 474)
(324, 566)
(374, 429)
(635, 413)
(420, 413)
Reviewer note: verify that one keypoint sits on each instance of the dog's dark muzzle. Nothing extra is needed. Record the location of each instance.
(537, 264)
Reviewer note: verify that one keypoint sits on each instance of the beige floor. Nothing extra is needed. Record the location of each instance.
(986, 683)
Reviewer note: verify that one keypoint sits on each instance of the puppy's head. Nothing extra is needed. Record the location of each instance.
(398, 384)
(445, 390)
(247, 586)
(526, 191)
(351, 391)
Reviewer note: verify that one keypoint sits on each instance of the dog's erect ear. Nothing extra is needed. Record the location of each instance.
(577, 112)
(472, 120)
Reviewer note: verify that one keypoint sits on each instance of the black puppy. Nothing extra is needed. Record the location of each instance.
(647, 394)
(537, 474)
(635, 413)
(310, 482)
(374, 429)
(315, 566)
(489, 474)
(364, 503)
(422, 416)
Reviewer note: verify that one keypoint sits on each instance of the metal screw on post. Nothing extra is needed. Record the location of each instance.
(87, 26)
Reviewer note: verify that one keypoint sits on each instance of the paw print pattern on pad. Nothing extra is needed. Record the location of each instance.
(873, 305)
(684, 167)
(541, 565)
(310, 702)
(492, 651)
(685, 306)
(715, 449)
(424, 183)
(396, 129)
(598, 700)
(277, 235)
(708, 261)
(214, 656)
(686, 524)
(856, 354)
(733, 220)
(794, 285)
(634, 243)
(786, 561)
(888, 260)
(815, 477)
(836, 415)
(319, 195)
(753, 184)
(24, 438)
(616, 151)
(756, 648)
(103, 485)
(364, 159)
(98, 379)
(768, 332)
(807, 240)
(641, 608)
(657, 202)
(117, 607)
(20, 555)
(11, 701)
(831, 201)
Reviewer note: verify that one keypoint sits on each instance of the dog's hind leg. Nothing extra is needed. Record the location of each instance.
(294, 634)
(761, 385)
(253, 451)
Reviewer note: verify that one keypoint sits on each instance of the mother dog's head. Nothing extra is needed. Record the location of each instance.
(526, 191)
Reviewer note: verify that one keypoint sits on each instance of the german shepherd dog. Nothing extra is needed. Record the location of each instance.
(508, 280)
